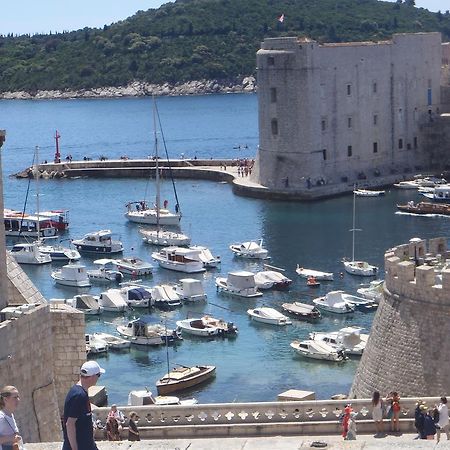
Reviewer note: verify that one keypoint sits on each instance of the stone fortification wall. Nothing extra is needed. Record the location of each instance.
(408, 349)
(344, 113)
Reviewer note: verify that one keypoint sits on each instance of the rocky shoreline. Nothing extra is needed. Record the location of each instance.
(140, 89)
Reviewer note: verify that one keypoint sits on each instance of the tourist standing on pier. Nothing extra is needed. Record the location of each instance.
(393, 400)
(77, 422)
(377, 412)
(443, 423)
(9, 433)
(133, 432)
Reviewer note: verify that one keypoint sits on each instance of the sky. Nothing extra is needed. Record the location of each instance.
(43, 16)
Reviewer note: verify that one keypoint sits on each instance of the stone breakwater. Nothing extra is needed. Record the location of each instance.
(141, 89)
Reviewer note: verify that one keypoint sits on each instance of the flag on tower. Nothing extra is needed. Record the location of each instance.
(281, 18)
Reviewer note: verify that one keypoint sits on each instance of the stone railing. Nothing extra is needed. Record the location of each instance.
(256, 419)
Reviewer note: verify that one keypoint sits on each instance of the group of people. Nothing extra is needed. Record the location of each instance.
(431, 421)
(386, 409)
(115, 422)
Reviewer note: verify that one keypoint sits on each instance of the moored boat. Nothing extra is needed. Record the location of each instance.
(98, 242)
(302, 310)
(73, 275)
(368, 193)
(373, 291)
(333, 302)
(103, 274)
(241, 284)
(268, 315)
(179, 259)
(318, 350)
(181, 378)
(145, 398)
(165, 238)
(250, 249)
(29, 254)
(86, 303)
(206, 326)
(58, 252)
(317, 274)
(190, 290)
(113, 342)
(165, 296)
(19, 224)
(270, 279)
(349, 339)
(425, 208)
(133, 266)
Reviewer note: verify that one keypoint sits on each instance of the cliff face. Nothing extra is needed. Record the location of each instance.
(408, 349)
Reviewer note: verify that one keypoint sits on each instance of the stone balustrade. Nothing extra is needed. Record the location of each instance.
(255, 419)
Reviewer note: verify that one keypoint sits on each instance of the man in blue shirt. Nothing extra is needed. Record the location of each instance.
(77, 425)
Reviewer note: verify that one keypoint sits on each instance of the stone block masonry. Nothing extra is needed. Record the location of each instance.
(408, 350)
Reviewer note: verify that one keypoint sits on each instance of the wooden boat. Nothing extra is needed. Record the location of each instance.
(302, 310)
(181, 378)
(425, 208)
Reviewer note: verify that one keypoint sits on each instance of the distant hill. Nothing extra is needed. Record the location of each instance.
(196, 39)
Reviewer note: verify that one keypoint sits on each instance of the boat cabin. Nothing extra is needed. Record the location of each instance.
(242, 279)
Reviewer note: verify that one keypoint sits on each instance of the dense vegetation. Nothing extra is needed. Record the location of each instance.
(196, 39)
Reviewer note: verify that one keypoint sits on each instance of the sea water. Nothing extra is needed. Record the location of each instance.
(259, 363)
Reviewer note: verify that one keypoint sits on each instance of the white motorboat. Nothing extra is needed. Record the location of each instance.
(29, 254)
(439, 194)
(113, 300)
(141, 212)
(95, 345)
(318, 350)
(349, 339)
(409, 184)
(206, 326)
(372, 291)
(333, 302)
(58, 252)
(240, 283)
(165, 296)
(204, 255)
(190, 289)
(361, 268)
(73, 275)
(268, 315)
(359, 303)
(317, 274)
(133, 266)
(165, 238)
(143, 332)
(179, 259)
(250, 249)
(103, 274)
(113, 342)
(86, 303)
(98, 242)
(302, 310)
(145, 398)
(270, 279)
(368, 193)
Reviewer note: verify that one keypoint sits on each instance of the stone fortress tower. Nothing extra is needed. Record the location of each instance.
(332, 115)
(409, 349)
(41, 348)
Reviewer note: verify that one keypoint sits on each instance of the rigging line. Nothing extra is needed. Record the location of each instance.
(168, 161)
(26, 198)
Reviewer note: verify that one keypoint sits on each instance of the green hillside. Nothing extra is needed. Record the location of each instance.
(196, 39)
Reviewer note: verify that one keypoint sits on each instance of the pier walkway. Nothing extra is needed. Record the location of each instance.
(363, 442)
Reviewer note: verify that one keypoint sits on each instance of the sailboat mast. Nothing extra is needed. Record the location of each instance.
(354, 225)
(158, 193)
(36, 174)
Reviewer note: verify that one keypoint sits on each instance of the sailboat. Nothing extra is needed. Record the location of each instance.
(361, 268)
(29, 253)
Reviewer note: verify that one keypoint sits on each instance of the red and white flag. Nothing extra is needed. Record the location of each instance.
(281, 18)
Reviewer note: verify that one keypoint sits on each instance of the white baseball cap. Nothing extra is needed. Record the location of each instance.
(90, 368)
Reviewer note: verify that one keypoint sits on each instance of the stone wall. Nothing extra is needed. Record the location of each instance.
(408, 349)
(344, 113)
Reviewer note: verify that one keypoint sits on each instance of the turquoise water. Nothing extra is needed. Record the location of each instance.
(258, 364)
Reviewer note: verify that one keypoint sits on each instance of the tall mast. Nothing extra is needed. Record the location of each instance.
(158, 194)
(36, 174)
(353, 227)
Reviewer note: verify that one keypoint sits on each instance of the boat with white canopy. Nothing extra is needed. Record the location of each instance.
(250, 249)
(302, 311)
(112, 300)
(190, 290)
(73, 275)
(334, 303)
(204, 255)
(86, 303)
(318, 350)
(165, 296)
(103, 273)
(372, 291)
(268, 315)
(349, 339)
(270, 279)
(241, 284)
(113, 342)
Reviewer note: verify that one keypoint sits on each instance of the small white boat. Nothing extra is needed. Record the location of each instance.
(302, 310)
(103, 274)
(204, 255)
(372, 291)
(333, 302)
(165, 296)
(268, 315)
(206, 326)
(73, 275)
(361, 268)
(359, 303)
(349, 339)
(179, 259)
(95, 345)
(133, 266)
(440, 193)
(145, 398)
(29, 254)
(368, 193)
(270, 279)
(98, 242)
(58, 252)
(165, 238)
(190, 290)
(317, 274)
(143, 332)
(140, 212)
(113, 342)
(318, 350)
(250, 249)
(241, 284)
(412, 184)
(112, 300)
(87, 304)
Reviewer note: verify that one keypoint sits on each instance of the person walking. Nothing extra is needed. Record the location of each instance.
(377, 412)
(443, 422)
(133, 432)
(77, 422)
(429, 428)
(9, 433)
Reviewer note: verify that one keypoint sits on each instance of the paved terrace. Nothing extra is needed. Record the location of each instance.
(203, 169)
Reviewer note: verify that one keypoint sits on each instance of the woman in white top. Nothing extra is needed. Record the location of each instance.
(377, 411)
(9, 433)
(443, 423)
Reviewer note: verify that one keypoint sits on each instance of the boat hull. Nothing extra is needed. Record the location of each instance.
(150, 219)
(179, 267)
